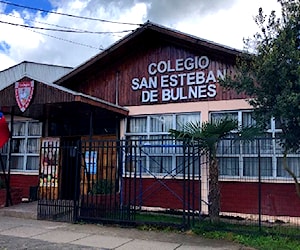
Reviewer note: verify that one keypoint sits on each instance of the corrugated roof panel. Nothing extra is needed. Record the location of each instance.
(37, 71)
(10, 75)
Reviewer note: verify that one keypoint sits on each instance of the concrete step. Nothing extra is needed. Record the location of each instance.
(26, 210)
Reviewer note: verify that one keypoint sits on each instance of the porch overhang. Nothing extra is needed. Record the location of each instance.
(51, 100)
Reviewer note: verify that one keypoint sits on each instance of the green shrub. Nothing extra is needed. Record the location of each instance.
(103, 187)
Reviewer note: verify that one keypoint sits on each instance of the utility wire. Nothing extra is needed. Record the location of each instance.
(66, 30)
(49, 24)
(65, 40)
(56, 37)
(68, 15)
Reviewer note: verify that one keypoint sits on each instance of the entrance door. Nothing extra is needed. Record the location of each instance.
(70, 167)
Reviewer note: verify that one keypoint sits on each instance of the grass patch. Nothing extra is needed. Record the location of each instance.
(272, 237)
(152, 217)
(269, 238)
(158, 222)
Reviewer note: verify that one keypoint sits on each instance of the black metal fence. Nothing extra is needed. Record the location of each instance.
(256, 188)
(59, 179)
(126, 181)
(165, 182)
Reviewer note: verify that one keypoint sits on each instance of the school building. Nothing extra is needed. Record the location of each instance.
(150, 81)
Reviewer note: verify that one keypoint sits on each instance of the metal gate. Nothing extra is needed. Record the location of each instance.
(125, 181)
(101, 196)
(58, 189)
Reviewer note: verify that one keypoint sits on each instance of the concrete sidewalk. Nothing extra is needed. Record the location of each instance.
(19, 231)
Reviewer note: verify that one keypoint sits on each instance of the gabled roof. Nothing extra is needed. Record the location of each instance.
(148, 33)
(37, 71)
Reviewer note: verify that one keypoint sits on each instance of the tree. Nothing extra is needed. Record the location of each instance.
(269, 73)
(207, 137)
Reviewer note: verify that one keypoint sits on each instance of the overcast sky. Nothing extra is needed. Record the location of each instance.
(225, 22)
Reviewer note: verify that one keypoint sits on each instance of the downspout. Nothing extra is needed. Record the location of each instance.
(117, 87)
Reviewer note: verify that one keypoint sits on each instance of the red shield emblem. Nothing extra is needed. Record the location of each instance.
(24, 93)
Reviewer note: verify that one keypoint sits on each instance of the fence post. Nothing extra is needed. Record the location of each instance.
(259, 185)
(78, 155)
(188, 186)
(183, 186)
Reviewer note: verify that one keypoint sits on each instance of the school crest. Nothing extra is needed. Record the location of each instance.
(24, 93)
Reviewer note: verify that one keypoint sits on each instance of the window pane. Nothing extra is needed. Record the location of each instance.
(18, 145)
(278, 146)
(32, 163)
(141, 164)
(266, 145)
(249, 147)
(251, 165)
(138, 125)
(4, 160)
(229, 145)
(34, 129)
(17, 162)
(218, 116)
(183, 163)
(136, 163)
(247, 119)
(182, 119)
(292, 162)
(160, 164)
(4, 149)
(229, 166)
(33, 146)
(161, 144)
(19, 129)
(161, 123)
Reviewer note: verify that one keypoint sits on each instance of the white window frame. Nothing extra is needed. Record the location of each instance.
(167, 152)
(26, 137)
(272, 131)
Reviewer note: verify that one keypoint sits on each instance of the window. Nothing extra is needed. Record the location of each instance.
(218, 116)
(293, 163)
(25, 146)
(159, 154)
(240, 159)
